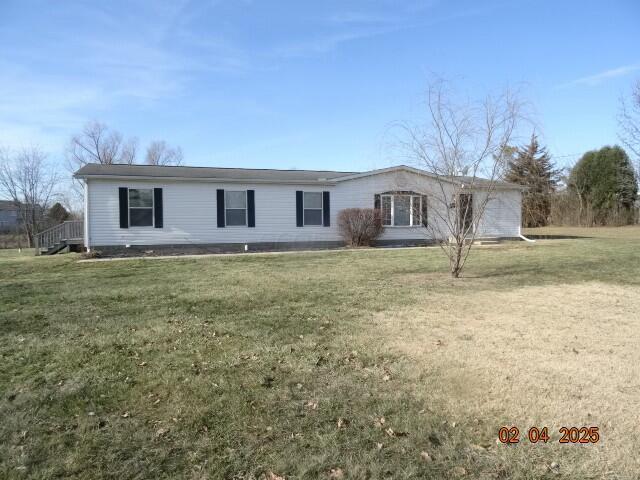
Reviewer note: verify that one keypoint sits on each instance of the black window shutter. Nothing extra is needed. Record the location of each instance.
(251, 208)
(299, 209)
(123, 193)
(157, 208)
(220, 205)
(326, 209)
(425, 218)
(376, 201)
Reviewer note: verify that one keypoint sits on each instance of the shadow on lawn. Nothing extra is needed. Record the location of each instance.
(557, 237)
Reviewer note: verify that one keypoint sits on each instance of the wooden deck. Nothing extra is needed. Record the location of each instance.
(67, 235)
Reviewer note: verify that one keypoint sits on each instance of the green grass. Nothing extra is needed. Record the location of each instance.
(211, 367)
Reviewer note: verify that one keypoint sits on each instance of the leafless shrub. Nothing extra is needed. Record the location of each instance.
(12, 239)
(360, 226)
(567, 209)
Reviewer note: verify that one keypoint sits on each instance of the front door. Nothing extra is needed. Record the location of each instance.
(465, 213)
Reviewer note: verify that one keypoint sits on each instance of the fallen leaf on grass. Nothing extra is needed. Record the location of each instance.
(161, 432)
(389, 431)
(311, 404)
(379, 422)
(425, 456)
(336, 473)
(273, 476)
(342, 422)
(459, 471)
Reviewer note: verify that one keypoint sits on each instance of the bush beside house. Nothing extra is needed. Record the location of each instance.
(360, 226)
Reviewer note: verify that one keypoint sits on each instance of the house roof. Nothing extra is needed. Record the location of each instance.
(8, 205)
(259, 175)
(208, 173)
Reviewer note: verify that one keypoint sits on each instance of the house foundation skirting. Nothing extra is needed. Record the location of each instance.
(183, 249)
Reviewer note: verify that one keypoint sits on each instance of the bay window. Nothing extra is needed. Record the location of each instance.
(401, 210)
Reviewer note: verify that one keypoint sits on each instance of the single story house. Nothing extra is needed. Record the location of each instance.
(144, 207)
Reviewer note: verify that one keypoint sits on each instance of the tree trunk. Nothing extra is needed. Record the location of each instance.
(456, 266)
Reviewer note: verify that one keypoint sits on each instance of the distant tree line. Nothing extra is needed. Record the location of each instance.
(600, 189)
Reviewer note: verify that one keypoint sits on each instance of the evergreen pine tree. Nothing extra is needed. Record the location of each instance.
(532, 167)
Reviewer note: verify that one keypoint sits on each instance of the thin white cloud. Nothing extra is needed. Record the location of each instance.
(325, 43)
(350, 18)
(52, 86)
(601, 77)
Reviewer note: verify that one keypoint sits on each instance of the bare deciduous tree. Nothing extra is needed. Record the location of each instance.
(159, 153)
(629, 123)
(98, 144)
(462, 144)
(28, 180)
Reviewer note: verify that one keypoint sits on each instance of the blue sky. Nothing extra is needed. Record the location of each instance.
(301, 84)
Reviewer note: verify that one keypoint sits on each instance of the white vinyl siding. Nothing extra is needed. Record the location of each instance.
(190, 210)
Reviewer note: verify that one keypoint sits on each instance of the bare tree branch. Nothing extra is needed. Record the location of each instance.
(97, 144)
(159, 153)
(629, 124)
(462, 145)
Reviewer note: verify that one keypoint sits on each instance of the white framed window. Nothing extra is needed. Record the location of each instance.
(141, 207)
(401, 210)
(235, 208)
(312, 207)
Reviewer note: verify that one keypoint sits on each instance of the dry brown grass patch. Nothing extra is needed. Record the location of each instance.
(562, 355)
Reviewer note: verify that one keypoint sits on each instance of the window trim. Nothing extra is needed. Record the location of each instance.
(412, 220)
(153, 208)
(304, 223)
(246, 210)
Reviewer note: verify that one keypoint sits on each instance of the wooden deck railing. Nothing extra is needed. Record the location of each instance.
(71, 230)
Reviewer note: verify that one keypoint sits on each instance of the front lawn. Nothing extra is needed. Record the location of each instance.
(366, 364)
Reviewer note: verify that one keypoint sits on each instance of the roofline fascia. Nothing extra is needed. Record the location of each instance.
(417, 171)
(204, 180)
(384, 170)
